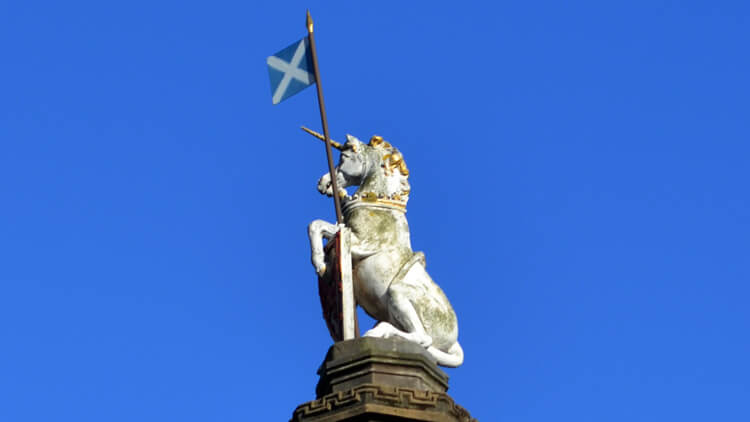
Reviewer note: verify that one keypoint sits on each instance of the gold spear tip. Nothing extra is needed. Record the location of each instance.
(309, 22)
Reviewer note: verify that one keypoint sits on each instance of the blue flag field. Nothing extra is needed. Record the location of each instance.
(290, 70)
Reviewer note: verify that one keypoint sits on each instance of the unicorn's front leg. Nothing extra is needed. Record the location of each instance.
(325, 185)
(317, 230)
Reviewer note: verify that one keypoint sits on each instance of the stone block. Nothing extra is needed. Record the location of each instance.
(380, 380)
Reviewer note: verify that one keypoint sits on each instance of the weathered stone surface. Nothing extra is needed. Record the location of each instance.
(373, 379)
(390, 280)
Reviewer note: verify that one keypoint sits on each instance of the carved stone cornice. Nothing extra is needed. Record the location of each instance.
(373, 401)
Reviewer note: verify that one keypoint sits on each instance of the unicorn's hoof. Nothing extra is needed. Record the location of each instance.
(424, 341)
(319, 263)
(381, 330)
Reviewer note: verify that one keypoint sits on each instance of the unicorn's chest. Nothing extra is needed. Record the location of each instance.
(377, 227)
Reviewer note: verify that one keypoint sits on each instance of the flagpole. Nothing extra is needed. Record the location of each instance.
(352, 304)
(321, 103)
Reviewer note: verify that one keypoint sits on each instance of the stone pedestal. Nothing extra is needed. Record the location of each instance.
(380, 380)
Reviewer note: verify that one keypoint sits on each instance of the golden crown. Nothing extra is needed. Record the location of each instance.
(396, 201)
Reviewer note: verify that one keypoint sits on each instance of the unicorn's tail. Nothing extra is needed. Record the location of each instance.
(453, 358)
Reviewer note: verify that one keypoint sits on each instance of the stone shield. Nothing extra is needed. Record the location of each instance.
(330, 289)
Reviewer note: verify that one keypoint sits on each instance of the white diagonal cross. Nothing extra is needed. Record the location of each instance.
(290, 70)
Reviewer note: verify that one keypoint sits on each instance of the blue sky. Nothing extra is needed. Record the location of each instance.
(579, 177)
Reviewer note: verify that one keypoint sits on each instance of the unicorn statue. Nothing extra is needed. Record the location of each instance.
(390, 280)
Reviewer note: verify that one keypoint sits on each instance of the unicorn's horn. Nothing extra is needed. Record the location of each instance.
(334, 144)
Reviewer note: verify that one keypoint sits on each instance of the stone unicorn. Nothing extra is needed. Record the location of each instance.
(390, 280)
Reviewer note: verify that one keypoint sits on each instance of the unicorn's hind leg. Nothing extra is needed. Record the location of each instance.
(405, 321)
(401, 308)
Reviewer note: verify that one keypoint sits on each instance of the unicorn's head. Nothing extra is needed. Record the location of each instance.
(377, 168)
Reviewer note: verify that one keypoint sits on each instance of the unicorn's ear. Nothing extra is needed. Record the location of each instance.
(352, 138)
(352, 142)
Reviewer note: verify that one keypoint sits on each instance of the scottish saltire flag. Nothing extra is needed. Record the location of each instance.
(290, 70)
